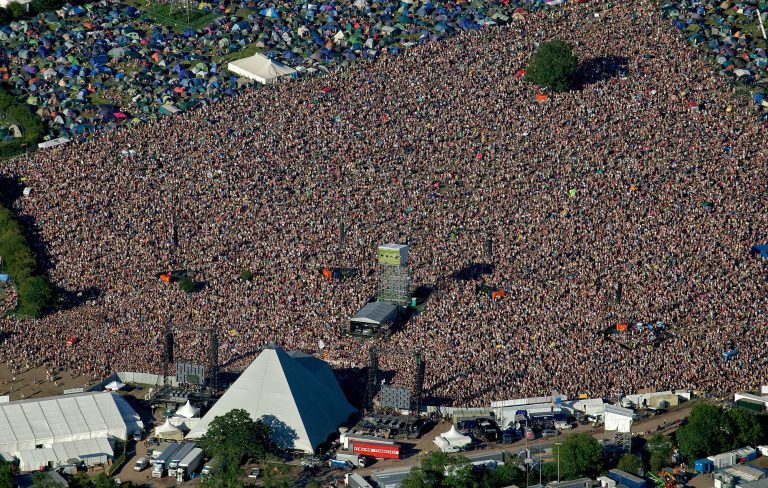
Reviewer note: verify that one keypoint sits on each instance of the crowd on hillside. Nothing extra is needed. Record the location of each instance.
(443, 147)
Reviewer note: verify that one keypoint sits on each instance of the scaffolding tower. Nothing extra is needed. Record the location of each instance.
(394, 284)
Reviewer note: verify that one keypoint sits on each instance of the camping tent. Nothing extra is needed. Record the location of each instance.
(260, 68)
(293, 393)
(167, 431)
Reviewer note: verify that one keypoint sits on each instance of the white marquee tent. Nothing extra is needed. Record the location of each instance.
(168, 431)
(294, 393)
(26, 424)
(91, 451)
(260, 68)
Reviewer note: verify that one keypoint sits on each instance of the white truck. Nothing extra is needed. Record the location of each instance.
(173, 463)
(357, 460)
(160, 463)
(356, 481)
(189, 464)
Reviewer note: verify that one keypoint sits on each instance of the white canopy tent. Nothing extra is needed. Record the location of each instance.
(168, 431)
(293, 393)
(26, 424)
(187, 411)
(260, 68)
(456, 438)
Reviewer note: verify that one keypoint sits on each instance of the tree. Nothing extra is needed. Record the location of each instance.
(660, 449)
(6, 477)
(40, 6)
(246, 275)
(506, 475)
(552, 66)
(35, 296)
(438, 469)
(631, 464)
(5, 15)
(581, 456)
(42, 480)
(103, 481)
(703, 435)
(16, 9)
(233, 438)
(187, 284)
(744, 427)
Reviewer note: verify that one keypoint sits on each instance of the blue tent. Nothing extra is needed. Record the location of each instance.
(269, 12)
(761, 249)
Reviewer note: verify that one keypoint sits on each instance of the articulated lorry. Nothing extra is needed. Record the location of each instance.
(160, 463)
(189, 464)
(185, 449)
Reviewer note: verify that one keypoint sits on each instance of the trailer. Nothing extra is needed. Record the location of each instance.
(723, 460)
(745, 454)
(160, 464)
(377, 450)
(180, 454)
(353, 480)
(624, 478)
(189, 464)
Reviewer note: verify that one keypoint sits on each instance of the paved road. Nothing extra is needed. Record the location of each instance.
(392, 471)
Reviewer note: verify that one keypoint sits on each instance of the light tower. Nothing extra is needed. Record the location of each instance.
(394, 282)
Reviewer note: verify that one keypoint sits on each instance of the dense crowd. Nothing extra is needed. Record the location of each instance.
(442, 147)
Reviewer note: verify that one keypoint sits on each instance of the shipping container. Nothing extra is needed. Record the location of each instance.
(723, 460)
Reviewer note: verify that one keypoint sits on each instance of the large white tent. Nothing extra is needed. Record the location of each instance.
(294, 393)
(260, 68)
(27, 424)
(92, 452)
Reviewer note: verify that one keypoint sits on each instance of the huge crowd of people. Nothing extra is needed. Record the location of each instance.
(443, 147)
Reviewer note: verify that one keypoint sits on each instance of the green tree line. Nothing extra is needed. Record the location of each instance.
(30, 124)
(35, 295)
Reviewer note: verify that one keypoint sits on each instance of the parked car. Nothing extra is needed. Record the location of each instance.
(549, 433)
(254, 473)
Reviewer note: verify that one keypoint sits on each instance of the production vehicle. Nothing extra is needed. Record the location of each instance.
(189, 464)
(160, 464)
(141, 463)
(356, 459)
(338, 463)
(180, 454)
(210, 466)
